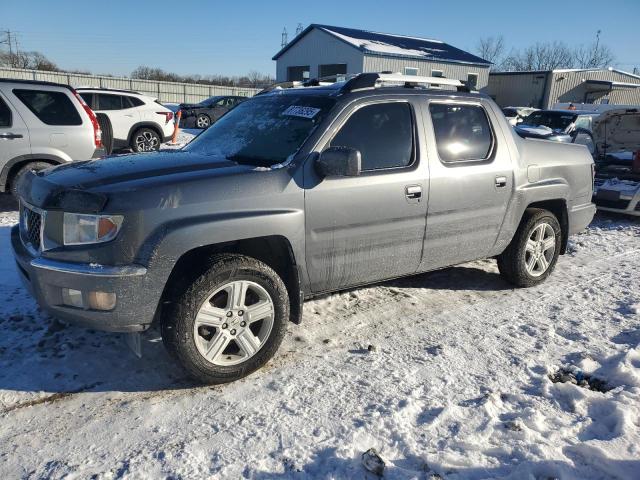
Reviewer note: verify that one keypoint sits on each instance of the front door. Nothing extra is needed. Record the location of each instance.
(370, 227)
(14, 135)
(470, 183)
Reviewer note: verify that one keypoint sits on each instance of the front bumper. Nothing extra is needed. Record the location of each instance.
(580, 217)
(45, 279)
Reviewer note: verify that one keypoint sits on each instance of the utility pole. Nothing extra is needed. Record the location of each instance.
(8, 41)
(595, 52)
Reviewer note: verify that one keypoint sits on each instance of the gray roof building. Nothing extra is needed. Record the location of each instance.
(323, 50)
(543, 89)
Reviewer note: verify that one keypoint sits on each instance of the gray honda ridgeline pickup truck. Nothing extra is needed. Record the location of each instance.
(295, 193)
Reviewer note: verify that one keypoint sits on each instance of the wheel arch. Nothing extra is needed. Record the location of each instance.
(12, 166)
(139, 125)
(274, 250)
(558, 207)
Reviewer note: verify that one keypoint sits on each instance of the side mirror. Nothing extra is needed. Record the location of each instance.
(339, 162)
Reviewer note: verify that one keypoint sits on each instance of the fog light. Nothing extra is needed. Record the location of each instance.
(72, 298)
(102, 300)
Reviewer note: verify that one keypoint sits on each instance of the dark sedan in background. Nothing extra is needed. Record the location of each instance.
(205, 113)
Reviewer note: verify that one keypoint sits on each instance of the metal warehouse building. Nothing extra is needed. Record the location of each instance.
(543, 89)
(321, 50)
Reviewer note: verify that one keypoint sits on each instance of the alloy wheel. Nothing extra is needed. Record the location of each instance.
(233, 323)
(202, 121)
(147, 142)
(539, 250)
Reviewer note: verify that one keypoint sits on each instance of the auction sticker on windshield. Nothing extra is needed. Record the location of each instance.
(299, 111)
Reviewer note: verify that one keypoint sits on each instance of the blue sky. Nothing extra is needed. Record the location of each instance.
(234, 37)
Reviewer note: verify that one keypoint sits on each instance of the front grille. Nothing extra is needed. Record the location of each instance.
(30, 227)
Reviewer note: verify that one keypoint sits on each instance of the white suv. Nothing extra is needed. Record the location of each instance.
(139, 122)
(43, 124)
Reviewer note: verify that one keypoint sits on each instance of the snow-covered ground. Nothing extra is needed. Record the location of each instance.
(457, 383)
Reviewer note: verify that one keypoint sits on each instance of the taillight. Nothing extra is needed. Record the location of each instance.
(168, 116)
(97, 131)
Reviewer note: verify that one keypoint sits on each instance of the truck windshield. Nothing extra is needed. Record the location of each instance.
(558, 121)
(265, 130)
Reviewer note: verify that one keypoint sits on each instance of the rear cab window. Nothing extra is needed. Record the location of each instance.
(463, 132)
(5, 115)
(51, 107)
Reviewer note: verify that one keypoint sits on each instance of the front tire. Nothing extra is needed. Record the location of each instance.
(533, 252)
(33, 166)
(145, 140)
(203, 121)
(230, 321)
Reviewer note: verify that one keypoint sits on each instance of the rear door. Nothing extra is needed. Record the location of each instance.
(14, 135)
(370, 227)
(58, 127)
(471, 180)
(120, 111)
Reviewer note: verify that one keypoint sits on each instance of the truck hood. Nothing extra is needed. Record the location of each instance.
(93, 180)
(617, 130)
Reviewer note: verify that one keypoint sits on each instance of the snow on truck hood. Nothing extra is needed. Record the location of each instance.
(618, 130)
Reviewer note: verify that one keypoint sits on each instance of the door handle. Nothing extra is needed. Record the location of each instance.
(413, 193)
(10, 136)
(501, 182)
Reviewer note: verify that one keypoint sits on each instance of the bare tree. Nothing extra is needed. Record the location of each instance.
(541, 56)
(33, 60)
(491, 49)
(593, 55)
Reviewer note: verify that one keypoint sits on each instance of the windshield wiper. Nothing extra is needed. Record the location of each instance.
(251, 160)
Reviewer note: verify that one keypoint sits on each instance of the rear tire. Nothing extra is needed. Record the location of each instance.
(33, 166)
(229, 321)
(107, 132)
(533, 252)
(145, 140)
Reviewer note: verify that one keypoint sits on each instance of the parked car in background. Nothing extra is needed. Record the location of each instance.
(516, 114)
(139, 122)
(205, 113)
(564, 126)
(617, 183)
(291, 195)
(43, 124)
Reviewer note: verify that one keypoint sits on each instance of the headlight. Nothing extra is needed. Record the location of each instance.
(80, 229)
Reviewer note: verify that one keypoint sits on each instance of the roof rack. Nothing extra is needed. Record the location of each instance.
(110, 90)
(374, 80)
(366, 81)
(35, 82)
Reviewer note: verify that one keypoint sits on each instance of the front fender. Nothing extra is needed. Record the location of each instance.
(168, 243)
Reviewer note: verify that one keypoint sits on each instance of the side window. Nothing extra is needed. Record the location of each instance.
(382, 132)
(109, 102)
(52, 108)
(584, 122)
(135, 101)
(88, 98)
(462, 132)
(5, 115)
